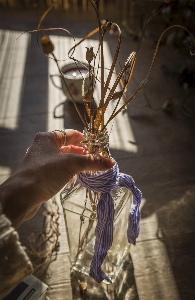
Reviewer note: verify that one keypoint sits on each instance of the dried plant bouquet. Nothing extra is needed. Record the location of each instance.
(97, 208)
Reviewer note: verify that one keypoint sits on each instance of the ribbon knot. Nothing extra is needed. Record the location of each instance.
(105, 183)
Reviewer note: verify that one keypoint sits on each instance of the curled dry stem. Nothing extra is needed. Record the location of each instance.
(150, 68)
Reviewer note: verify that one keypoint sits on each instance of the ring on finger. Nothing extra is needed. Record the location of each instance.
(64, 133)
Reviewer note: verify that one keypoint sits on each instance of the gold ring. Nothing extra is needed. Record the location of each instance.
(64, 133)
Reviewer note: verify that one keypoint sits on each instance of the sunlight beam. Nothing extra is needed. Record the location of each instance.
(13, 54)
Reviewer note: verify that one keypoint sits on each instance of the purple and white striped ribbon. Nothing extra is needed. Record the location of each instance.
(104, 183)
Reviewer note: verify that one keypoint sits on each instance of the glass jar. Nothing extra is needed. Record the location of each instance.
(101, 212)
(79, 206)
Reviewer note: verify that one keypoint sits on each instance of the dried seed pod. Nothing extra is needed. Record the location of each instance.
(87, 110)
(89, 54)
(47, 45)
(98, 118)
(117, 95)
(104, 154)
(83, 287)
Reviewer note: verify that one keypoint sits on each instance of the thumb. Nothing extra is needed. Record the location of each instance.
(90, 163)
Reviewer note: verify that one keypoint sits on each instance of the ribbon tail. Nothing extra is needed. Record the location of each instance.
(134, 217)
(133, 227)
(97, 274)
(104, 236)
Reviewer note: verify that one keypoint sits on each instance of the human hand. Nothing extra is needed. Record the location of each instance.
(46, 167)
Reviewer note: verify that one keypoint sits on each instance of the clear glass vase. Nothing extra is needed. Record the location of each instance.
(79, 206)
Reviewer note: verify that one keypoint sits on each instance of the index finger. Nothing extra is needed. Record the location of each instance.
(73, 137)
(68, 137)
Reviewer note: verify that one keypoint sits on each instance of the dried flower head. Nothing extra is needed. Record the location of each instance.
(47, 45)
(89, 54)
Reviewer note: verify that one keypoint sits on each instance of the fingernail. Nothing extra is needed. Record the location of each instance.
(110, 162)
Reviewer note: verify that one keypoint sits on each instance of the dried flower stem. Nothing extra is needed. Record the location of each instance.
(96, 116)
(150, 69)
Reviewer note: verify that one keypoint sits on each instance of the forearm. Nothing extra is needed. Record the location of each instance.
(16, 197)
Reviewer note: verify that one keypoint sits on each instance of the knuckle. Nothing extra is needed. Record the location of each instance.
(41, 135)
(38, 136)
